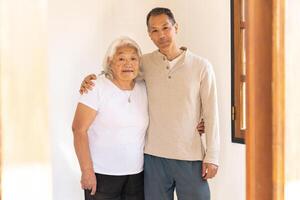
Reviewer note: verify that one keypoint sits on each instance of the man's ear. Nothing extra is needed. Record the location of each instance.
(176, 28)
(148, 31)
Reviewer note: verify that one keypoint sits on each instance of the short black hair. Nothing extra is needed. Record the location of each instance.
(159, 11)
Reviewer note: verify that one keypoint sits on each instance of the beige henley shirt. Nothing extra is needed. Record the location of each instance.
(178, 97)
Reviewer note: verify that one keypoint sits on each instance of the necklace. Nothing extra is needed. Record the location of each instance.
(128, 92)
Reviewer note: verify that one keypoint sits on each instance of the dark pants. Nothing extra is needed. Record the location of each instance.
(128, 187)
(163, 175)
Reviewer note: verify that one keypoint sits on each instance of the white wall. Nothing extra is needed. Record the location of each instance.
(74, 50)
(79, 33)
(292, 137)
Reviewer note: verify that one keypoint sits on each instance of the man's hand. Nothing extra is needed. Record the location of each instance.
(89, 181)
(87, 83)
(201, 127)
(209, 170)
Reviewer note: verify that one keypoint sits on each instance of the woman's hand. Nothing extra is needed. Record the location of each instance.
(87, 83)
(89, 181)
(201, 127)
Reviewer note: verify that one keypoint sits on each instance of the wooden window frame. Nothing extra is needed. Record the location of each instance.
(238, 111)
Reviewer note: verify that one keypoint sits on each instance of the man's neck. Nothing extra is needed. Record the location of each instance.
(171, 52)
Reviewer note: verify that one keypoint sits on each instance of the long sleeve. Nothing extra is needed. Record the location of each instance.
(208, 94)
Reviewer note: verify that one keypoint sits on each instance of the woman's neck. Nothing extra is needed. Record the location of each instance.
(124, 85)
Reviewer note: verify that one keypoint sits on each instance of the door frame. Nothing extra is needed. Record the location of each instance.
(266, 100)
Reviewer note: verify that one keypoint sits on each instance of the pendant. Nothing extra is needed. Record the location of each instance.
(129, 100)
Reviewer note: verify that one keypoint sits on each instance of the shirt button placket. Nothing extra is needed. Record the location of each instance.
(167, 67)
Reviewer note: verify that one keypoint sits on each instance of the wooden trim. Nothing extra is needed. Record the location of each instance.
(265, 92)
(237, 134)
(237, 68)
(259, 93)
(278, 77)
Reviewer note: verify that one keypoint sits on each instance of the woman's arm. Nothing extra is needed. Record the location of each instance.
(84, 116)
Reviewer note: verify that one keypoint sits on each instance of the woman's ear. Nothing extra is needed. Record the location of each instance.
(109, 61)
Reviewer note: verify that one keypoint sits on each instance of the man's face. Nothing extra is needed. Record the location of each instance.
(161, 31)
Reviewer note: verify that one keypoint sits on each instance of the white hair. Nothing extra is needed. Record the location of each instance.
(112, 49)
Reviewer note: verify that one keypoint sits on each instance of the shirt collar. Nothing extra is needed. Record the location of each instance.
(163, 57)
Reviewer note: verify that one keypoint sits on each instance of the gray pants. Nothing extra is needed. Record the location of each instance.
(162, 176)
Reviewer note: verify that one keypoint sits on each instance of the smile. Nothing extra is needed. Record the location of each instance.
(127, 71)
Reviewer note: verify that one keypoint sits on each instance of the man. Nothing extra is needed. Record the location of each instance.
(181, 90)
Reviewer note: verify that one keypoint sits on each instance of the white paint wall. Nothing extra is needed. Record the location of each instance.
(80, 32)
(292, 137)
(74, 50)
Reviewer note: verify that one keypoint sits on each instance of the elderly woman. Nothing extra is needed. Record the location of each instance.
(109, 127)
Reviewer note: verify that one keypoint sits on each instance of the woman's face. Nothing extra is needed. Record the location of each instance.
(125, 64)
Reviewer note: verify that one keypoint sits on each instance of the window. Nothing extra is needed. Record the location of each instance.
(238, 70)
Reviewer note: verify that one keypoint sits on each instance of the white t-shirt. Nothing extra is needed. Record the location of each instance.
(117, 135)
(174, 62)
